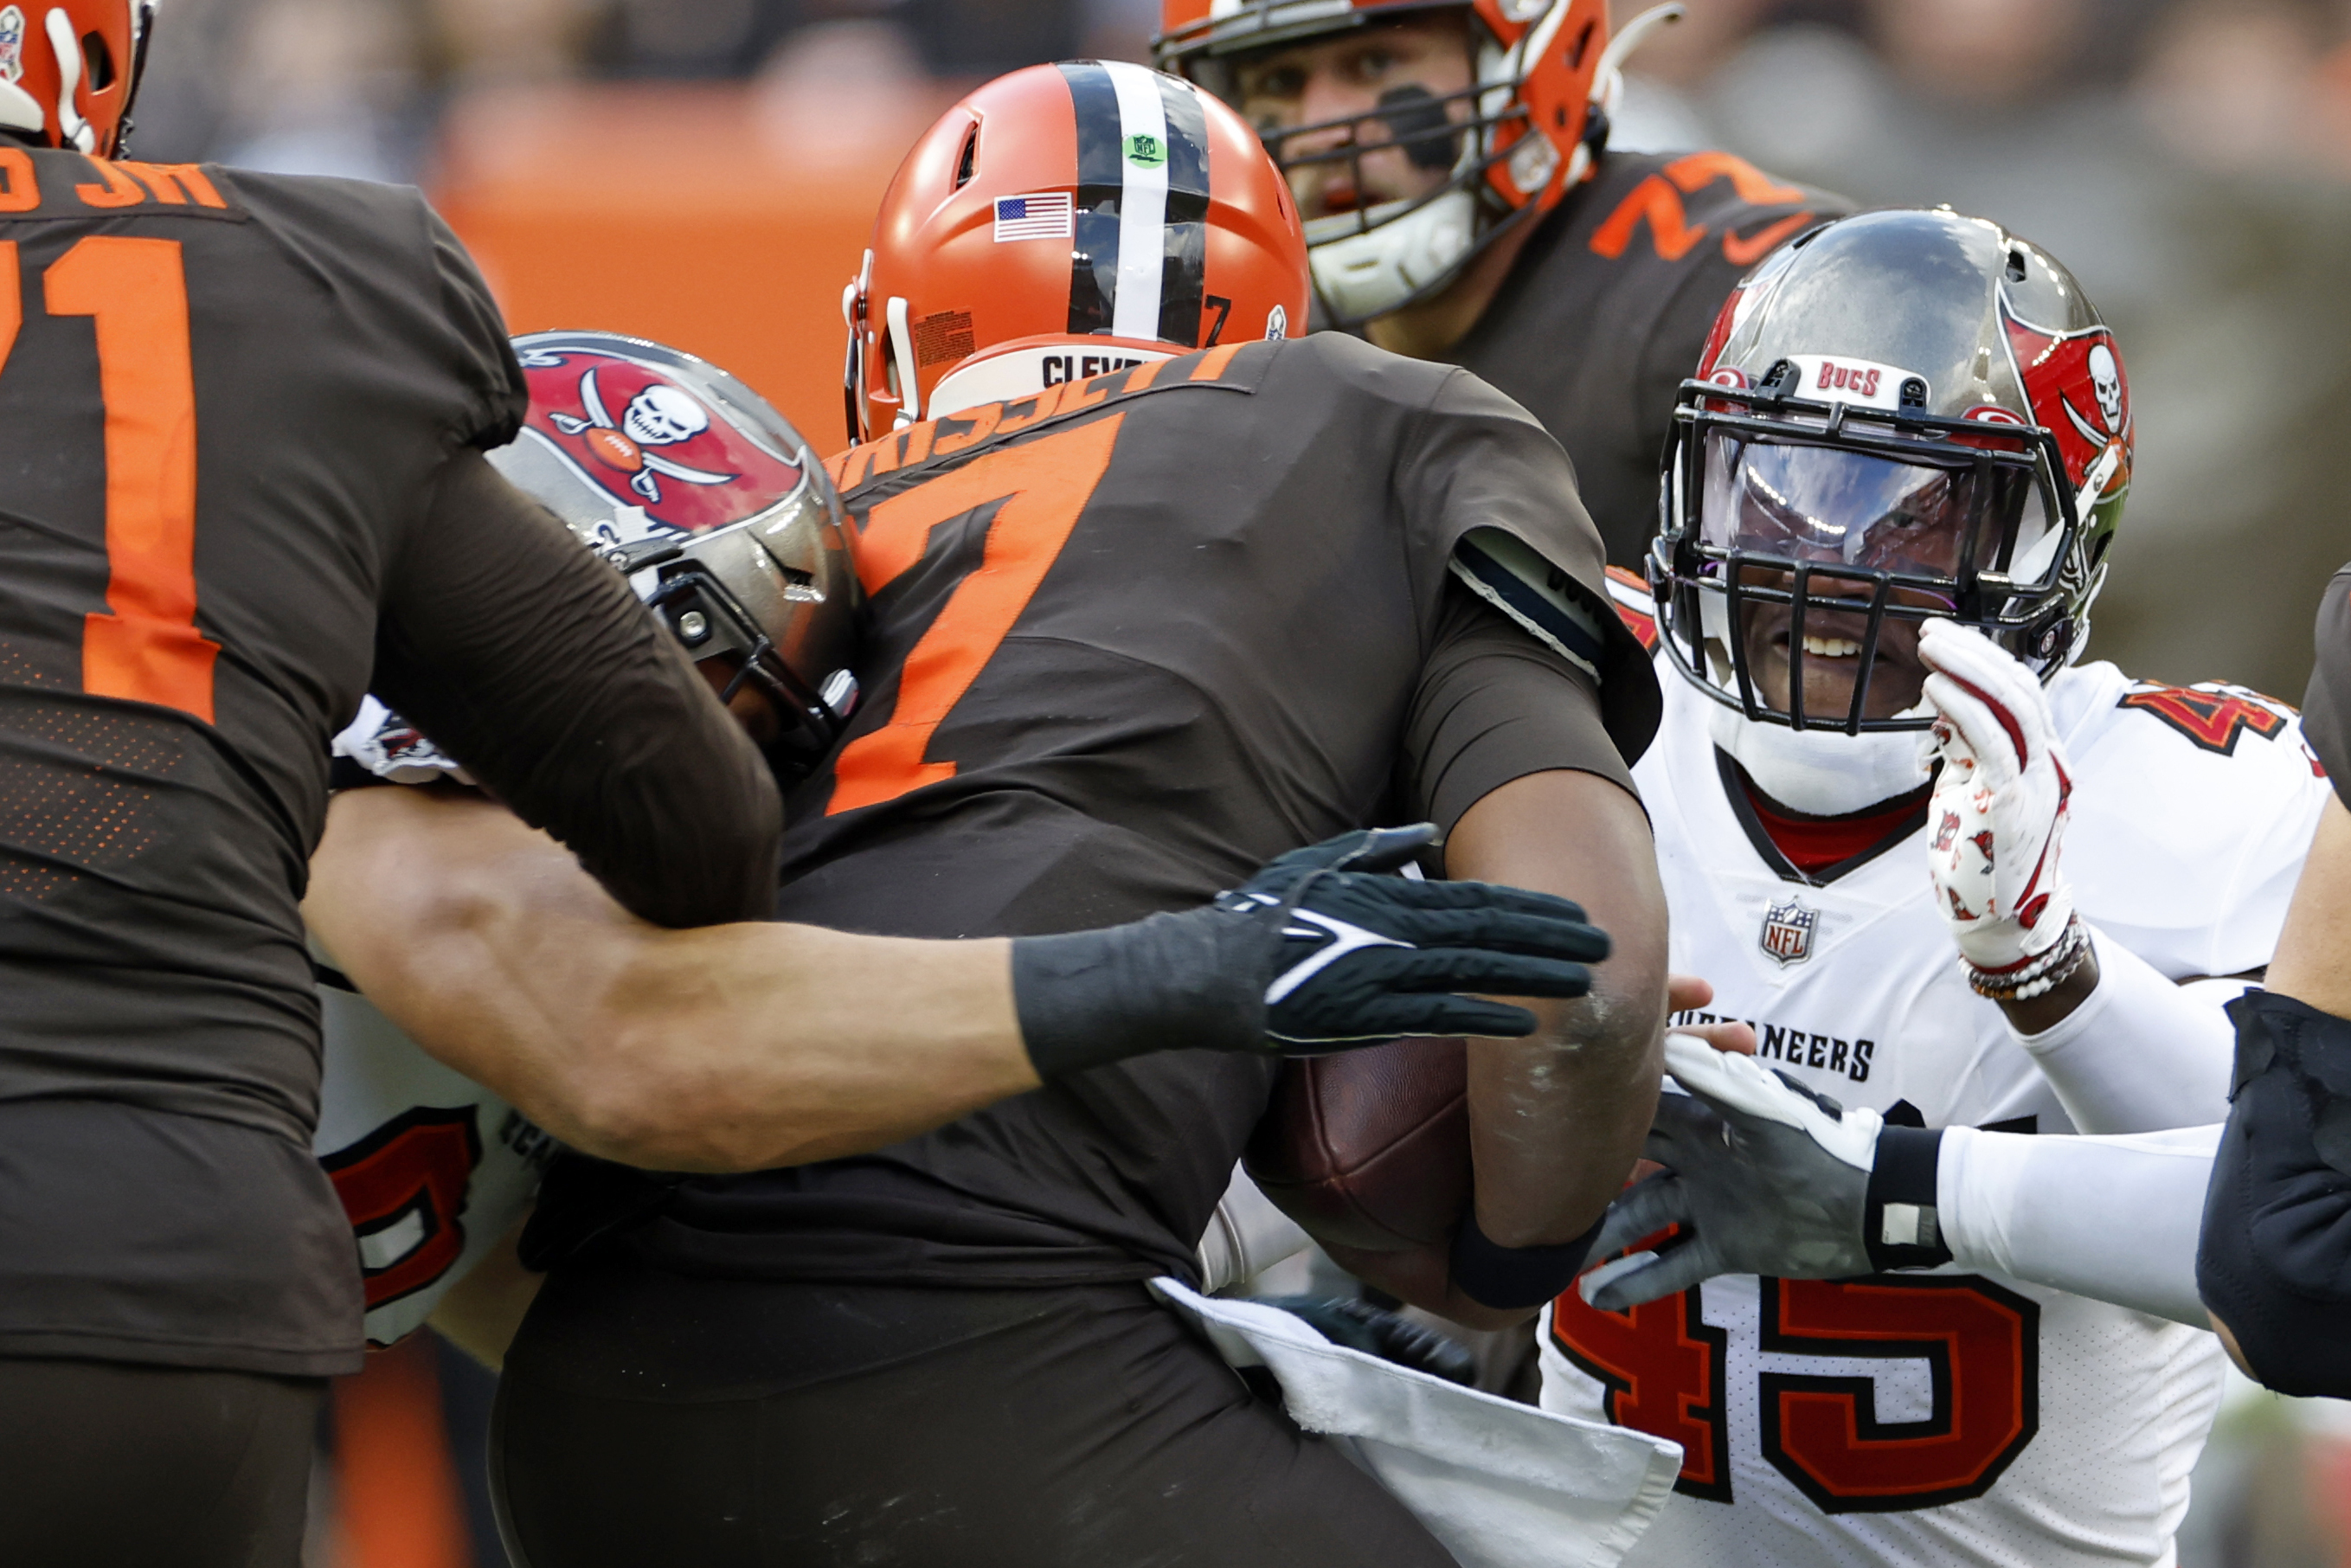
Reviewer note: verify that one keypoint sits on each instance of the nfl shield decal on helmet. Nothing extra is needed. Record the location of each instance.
(1787, 934)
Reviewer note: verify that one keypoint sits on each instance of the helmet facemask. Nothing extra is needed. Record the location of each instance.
(722, 596)
(712, 506)
(1384, 250)
(1804, 545)
(1524, 129)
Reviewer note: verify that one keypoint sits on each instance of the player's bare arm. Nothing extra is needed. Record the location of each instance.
(1557, 1119)
(750, 1046)
(2311, 966)
(723, 1047)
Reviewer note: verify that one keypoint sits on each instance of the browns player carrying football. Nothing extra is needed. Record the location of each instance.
(242, 417)
(1450, 159)
(1124, 636)
(1889, 505)
(738, 1048)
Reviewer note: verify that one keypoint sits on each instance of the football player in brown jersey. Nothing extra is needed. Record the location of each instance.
(1450, 159)
(736, 1047)
(1126, 635)
(242, 418)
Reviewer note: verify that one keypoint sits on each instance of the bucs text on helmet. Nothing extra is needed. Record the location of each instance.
(1901, 416)
(1089, 200)
(69, 70)
(1525, 131)
(688, 481)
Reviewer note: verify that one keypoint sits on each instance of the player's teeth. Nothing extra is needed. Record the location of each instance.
(1831, 647)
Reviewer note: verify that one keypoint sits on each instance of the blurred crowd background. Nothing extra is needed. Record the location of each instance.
(2189, 160)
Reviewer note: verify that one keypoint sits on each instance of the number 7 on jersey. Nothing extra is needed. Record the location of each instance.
(1043, 485)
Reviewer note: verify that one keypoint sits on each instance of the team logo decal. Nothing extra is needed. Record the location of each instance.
(12, 43)
(648, 442)
(1277, 325)
(1787, 935)
(2210, 713)
(2073, 382)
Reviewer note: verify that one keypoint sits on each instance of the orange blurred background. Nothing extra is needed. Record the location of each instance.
(724, 221)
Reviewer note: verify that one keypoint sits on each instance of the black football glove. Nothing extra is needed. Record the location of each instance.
(1765, 1177)
(1318, 952)
(1391, 1336)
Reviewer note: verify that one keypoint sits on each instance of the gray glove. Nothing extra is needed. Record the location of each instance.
(1763, 1176)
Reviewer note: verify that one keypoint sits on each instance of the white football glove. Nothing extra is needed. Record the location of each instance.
(1998, 813)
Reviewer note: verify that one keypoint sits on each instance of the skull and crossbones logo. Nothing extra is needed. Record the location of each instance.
(659, 415)
(2107, 381)
(2106, 386)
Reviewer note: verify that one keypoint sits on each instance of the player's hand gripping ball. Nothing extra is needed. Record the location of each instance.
(1997, 818)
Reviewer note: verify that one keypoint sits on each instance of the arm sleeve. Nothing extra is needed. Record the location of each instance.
(2114, 1219)
(2141, 1054)
(528, 659)
(2326, 706)
(1492, 705)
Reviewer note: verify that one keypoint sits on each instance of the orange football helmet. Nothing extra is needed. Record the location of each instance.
(1060, 222)
(67, 71)
(1525, 133)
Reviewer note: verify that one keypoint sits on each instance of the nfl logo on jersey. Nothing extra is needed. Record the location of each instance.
(1788, 932)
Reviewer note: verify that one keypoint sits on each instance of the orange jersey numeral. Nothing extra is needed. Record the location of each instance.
(145, 647)
(1039, 489)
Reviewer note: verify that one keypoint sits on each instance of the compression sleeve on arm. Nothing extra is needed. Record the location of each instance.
(2113, 1218)
(2141, 1053)
(528, 659)
(1494, 704)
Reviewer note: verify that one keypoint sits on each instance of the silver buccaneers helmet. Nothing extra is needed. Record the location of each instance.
(1900, 416)
(724, 522)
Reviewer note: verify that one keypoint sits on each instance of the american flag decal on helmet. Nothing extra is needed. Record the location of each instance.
(1045, 216)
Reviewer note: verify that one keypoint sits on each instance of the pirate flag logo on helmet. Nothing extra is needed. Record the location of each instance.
(2073, 382)
(630, 431)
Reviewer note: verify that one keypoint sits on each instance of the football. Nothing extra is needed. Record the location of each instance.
(1369, 1149)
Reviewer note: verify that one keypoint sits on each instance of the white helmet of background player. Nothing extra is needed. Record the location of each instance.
(1429, 178)
(1902, 416)
(688, 480)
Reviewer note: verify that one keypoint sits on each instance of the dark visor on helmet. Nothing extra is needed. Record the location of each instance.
(1815, 538)
(1764, 497)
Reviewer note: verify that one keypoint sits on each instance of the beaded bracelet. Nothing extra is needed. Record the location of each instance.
(2038, 976)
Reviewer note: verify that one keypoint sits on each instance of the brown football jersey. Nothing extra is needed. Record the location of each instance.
(2326, 706)
(1125, 642)
(238, 416)
(1605, 313)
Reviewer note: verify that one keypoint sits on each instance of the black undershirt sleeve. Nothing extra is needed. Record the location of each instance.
(2326, 706)
(1494, 704)
(528, 659)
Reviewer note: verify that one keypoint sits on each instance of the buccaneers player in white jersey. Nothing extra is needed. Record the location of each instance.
(1890, 499)
(2237, 1226)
